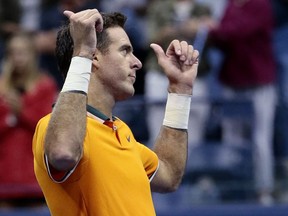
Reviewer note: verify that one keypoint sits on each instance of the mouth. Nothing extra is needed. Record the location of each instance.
(133, 77)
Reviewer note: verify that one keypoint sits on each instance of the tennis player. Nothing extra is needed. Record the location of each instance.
(86, 160)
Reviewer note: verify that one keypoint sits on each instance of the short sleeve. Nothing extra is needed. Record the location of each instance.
(149, 159)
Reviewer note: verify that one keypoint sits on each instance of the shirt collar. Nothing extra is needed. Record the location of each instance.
(95, 113)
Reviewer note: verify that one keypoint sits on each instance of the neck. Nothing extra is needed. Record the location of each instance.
(101, 103)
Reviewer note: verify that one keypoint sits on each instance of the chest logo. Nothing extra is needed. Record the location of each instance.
(128, 138)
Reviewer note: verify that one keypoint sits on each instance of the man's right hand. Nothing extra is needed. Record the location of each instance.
(83, 27)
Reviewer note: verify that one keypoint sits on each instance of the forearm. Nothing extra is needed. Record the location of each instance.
(180, 64)
(67, 127)
(171, 148)
(171, 143)
(66, 131)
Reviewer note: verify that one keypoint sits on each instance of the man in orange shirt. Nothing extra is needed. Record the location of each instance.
(87, 161)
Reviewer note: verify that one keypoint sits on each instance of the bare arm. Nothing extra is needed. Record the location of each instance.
(171, 148)
(66, 131)
(180, 64)
(67, 127)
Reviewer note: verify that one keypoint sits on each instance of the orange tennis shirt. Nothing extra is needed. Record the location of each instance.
(112, 178)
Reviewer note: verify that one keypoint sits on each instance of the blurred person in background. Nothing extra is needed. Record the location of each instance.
(30, 15)
(26, 94)
(217, 7)
(244, 36)
(188, 20)
(10, 15)
(280, 8)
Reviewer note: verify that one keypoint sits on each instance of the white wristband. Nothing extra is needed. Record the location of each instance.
(177, 111)
(78, 75)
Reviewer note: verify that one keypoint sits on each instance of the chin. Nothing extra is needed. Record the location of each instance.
(126, 95)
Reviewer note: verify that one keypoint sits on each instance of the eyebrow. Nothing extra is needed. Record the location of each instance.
(127, 47)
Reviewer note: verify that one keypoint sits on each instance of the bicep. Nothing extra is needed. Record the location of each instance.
(171, 149)
(161, 181)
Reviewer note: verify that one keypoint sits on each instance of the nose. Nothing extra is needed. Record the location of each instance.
(137, 64)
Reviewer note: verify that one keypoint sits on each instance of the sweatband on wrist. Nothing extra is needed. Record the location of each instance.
(177, 111)
(78, 75)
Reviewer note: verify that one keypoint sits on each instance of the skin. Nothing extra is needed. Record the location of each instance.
(112, 78)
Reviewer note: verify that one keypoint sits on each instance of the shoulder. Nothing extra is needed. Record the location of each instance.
(43, 123)
(38, 138)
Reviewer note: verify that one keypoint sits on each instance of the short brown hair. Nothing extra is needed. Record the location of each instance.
(64, 42)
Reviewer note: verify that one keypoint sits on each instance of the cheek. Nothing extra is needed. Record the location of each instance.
(113, 70)
(108, 76)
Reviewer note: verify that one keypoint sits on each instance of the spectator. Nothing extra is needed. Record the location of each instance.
(10, 15)
(217, 7)
(244, 35)
(281, 123)
(26, 95)
(30, 16)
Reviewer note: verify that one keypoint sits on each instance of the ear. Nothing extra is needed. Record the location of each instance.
(95, 61)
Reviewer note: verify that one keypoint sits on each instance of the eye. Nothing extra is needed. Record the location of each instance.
(126, 50)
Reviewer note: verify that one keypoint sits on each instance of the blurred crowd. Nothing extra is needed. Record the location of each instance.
(243, 58)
